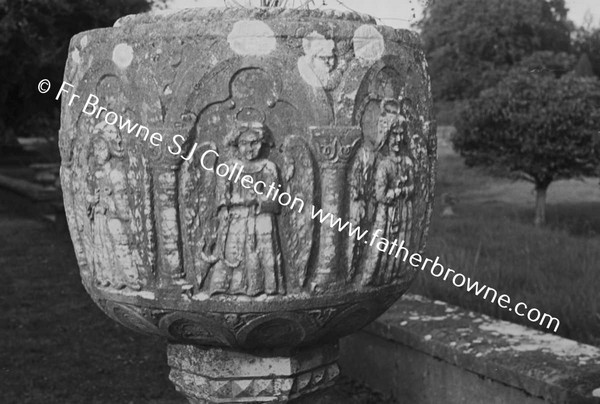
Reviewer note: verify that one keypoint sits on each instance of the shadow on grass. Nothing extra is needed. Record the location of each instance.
(580, 219)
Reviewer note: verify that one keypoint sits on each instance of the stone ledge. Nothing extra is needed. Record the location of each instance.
(29, 189)
(209, 22)
(237, 13)
(509, 359)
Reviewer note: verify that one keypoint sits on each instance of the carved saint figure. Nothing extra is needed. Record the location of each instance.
(248, 242)
(394, 186)
(109, 212)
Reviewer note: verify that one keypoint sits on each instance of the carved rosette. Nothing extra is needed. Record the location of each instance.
(199, 219)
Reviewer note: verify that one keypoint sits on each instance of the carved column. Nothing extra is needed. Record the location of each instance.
(167, 222)
(334, 149)
(202, 231)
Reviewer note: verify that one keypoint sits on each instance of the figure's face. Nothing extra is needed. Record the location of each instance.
(250, 144)
(101, 152)
(392, 107)
(327, 61)
(321, 52)
(114, 139)
(395, 141)
(324, 59)
(398, 138)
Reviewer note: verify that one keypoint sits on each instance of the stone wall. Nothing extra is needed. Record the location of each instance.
(422, 351)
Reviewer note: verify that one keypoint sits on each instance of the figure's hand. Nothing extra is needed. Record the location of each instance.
(407, 190)
(401, 182)
(362, 208)
(93, 199)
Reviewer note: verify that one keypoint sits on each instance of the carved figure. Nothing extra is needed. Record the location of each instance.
(394, 186)
(108, 212)
(248, 241)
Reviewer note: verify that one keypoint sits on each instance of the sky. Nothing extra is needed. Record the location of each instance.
(396, 13)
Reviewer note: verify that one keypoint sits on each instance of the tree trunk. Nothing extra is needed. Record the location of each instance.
(540, 205)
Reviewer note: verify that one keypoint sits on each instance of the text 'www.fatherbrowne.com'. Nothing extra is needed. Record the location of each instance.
(397, 249)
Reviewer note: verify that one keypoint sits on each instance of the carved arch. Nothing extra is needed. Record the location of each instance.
(215, 87)
(210, 109)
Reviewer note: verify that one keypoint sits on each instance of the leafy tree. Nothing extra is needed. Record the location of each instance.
(34, 40)
(470, 44)
(548, 64)
(536, 125)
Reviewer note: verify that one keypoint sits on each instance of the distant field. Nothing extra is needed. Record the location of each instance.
(492, 239)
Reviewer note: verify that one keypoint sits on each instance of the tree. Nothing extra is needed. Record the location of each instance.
(34, 40)
(584, 67)
(536, 125)
(470, 44)
(587, 41)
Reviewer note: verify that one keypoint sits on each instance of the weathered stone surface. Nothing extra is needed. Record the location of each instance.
(221, 375)
(425, 351)
(317, 108)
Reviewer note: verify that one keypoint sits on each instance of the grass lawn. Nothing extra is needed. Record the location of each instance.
(57, 346)
(492, 239)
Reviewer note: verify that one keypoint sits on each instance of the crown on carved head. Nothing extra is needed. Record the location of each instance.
(250, 118)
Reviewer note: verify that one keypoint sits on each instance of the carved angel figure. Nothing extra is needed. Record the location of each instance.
(250, 256)
(109, 212)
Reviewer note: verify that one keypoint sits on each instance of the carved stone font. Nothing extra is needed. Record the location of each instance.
(247, 183)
